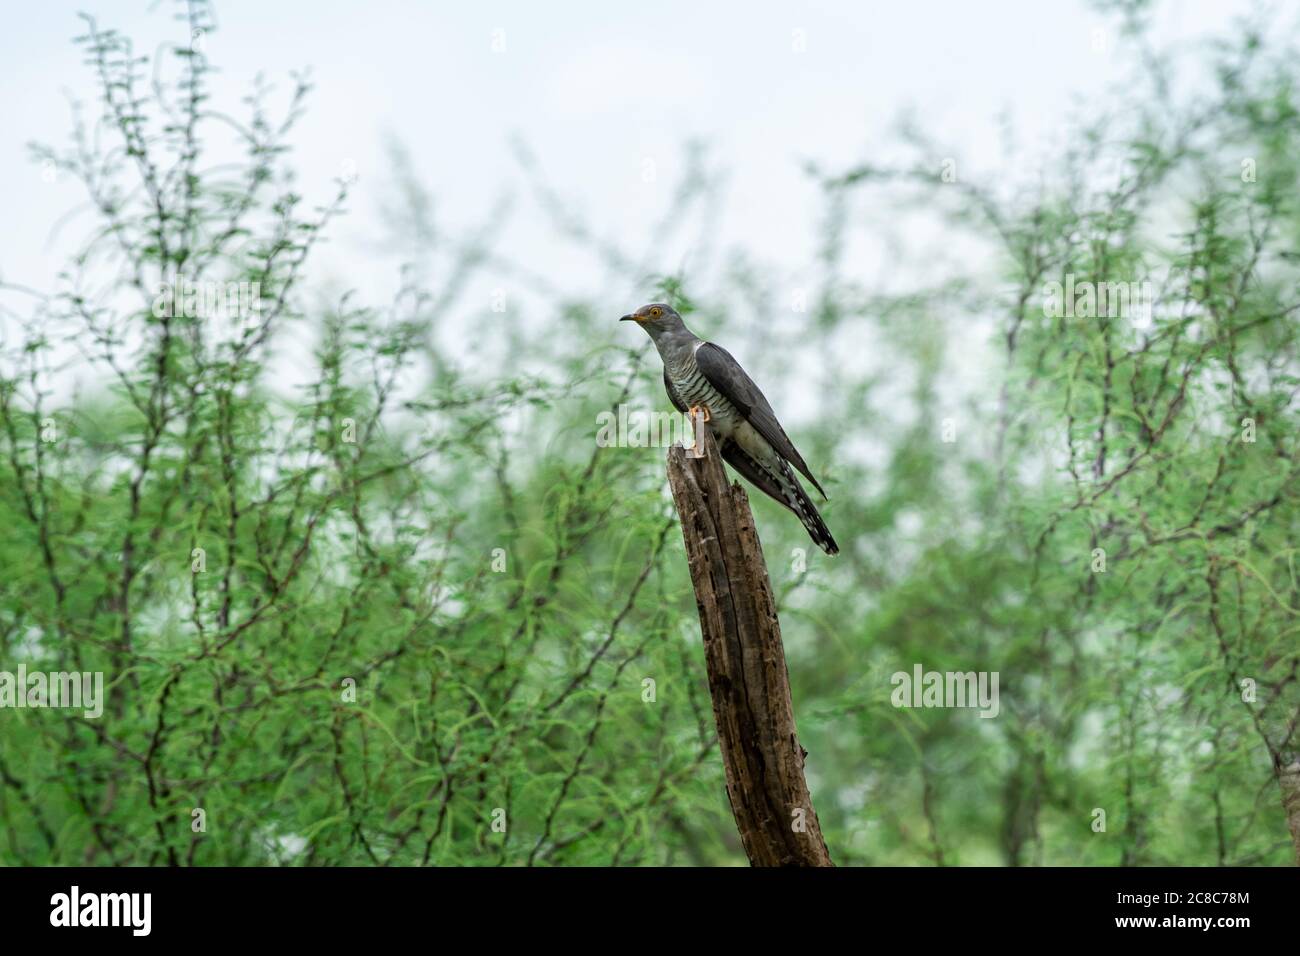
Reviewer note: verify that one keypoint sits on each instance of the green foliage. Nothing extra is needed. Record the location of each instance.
(363, 600)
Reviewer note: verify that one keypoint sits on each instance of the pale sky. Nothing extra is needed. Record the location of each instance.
(598, 93)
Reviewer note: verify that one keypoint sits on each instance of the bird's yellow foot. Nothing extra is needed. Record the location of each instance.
(698, 414)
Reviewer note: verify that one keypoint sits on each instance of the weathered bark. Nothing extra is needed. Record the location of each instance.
(746, 665)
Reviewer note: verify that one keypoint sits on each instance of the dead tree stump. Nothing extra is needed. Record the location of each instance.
(746, 665)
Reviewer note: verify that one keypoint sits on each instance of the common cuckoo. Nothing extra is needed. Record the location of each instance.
(703, 379)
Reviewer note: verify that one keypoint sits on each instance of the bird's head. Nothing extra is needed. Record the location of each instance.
(655, 317)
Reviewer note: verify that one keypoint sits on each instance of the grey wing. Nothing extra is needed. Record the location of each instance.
(738, 459)
(672, 394)
(725, 374)
(735, 456)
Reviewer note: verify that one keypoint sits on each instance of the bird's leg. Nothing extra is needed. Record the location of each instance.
(699, 414)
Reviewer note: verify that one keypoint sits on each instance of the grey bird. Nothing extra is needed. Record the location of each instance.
(703, 379)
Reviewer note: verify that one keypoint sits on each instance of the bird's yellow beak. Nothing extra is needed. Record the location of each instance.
(632, 317)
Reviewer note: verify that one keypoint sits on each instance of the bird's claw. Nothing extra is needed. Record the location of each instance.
(698, 414)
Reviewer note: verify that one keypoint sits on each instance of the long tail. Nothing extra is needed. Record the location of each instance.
(780, 484)
(797, 500)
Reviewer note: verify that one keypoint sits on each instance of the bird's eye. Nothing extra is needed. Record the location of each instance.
(654, 313)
